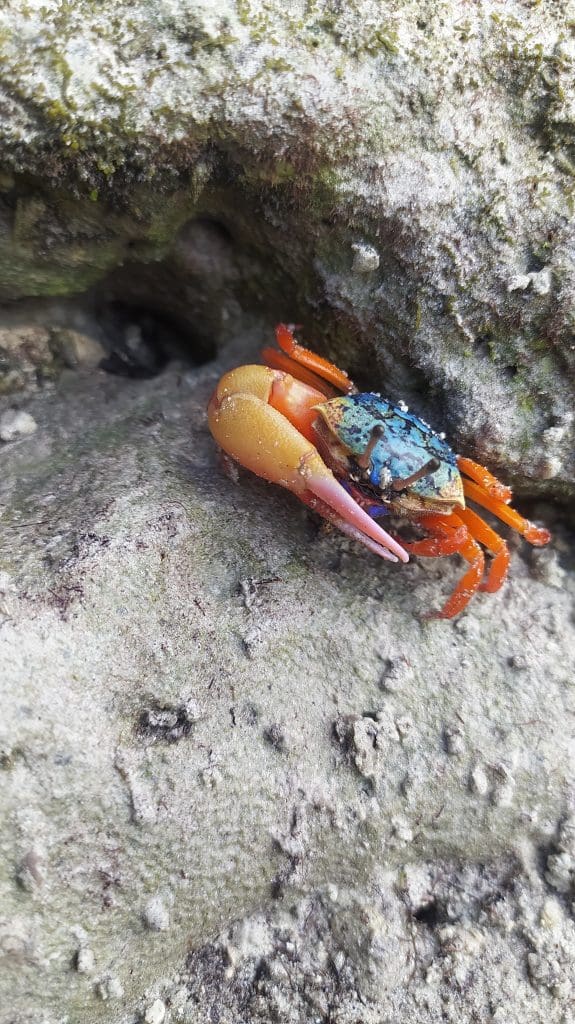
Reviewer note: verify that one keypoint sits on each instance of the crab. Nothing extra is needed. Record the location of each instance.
(354, 457)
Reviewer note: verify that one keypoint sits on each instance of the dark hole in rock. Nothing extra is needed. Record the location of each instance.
(151, 312)
(430, 914)
(275, 736)
(210, 227)
(535, 264)
(483, 344)
(370, 714)
(141, 341)
(509, 372)
(166, 724)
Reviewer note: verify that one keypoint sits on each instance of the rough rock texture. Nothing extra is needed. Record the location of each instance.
(397, 175)
(241, 780)
(427, 943)
(213, 712)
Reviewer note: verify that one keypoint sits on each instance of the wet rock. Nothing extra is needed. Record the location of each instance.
(159, 771)
(402, 186)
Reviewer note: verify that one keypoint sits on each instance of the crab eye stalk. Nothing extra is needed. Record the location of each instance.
(364, 460)
(402, 484)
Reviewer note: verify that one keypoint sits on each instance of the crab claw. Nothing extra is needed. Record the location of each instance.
(340, 508)
(260, 438)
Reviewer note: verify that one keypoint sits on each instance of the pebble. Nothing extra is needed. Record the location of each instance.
(540, 281)
(479, 782)
(110, 987)
(365, 258)
(156, 915)
(454, 741)
(85, 960)
(155, 1012)
(15, 423)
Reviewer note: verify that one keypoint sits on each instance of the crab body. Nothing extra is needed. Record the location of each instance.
(400, 446)
(352, 457)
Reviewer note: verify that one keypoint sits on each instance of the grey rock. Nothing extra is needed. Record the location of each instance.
(191, 157)
(155, 1013)
(85, 960)
(136, 736)
(76, 348)
(157, 915)
(409, 948)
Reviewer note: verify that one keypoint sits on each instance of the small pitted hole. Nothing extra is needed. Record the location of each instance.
(275, 736)
(510, 372)
(166, 724)
(535, 264)
(429, 914)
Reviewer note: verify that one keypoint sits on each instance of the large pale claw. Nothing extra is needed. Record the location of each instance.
(264, 441)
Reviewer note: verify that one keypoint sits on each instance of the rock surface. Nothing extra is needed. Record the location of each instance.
(229, 737)
(240, 778)
(398, 176)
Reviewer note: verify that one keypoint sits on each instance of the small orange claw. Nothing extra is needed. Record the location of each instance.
(536, 535)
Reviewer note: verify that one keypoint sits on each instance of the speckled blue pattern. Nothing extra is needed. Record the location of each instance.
(406, 445)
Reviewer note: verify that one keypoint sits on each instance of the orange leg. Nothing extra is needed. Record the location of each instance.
(495, 545)
(484, 478)
(309, 360)
(445, 538)
(468, 584)
(279, 361)
(450, 535)
(536, 535)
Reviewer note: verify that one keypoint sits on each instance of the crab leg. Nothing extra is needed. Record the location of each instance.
(248, 427)
(470, 582)
(534, 534)
(450, 535)
(484, 478)
(302, 357)
(445, 537)
(281, 361)
(495, 545)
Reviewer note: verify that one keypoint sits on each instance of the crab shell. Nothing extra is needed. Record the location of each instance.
(400, 448)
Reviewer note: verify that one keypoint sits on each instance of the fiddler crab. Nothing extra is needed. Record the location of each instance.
(351, 456)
